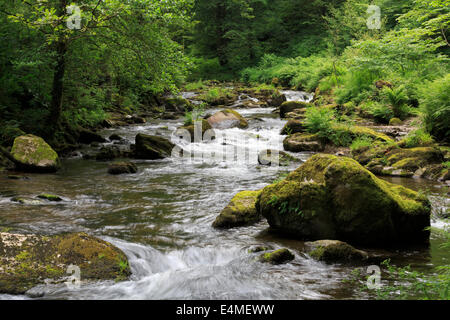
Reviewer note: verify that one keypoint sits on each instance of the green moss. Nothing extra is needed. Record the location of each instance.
(28, 260)
(50, 197)
(243, 124)
(277, 257)
(336, 197)
(332, 251)
(241, 211)
(33, 151)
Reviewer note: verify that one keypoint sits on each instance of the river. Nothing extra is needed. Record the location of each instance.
(161, 218)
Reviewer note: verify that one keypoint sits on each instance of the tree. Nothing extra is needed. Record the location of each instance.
(63, 25)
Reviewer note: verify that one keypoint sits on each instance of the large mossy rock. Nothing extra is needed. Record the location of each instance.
(240, 211)
(227, 119)
(33, 154)
(331, 197)
(300, 142)
(28, 260)
(290, 106)
(195, 132)
(152, 147)
(335, 251)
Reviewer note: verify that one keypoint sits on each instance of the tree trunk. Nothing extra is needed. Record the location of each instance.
(58, 76)
(58, 84)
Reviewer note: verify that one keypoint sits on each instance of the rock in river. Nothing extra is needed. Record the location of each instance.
(290, 106)
(122, 168)
(277, 257)
(152, 147)
(28, 260)
(196, 132)
(333, 251)
(331, 197)
(275, 158)
(227, 119)
(240, 212)
(33, 154)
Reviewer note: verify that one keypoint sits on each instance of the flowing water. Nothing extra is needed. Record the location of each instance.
(161, 218)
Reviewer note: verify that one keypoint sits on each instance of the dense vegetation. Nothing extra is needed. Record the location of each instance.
(123, 55)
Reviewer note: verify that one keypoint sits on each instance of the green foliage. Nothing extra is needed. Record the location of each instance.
(397, 99)
(359, 143)
(320, 121)
(435, 105)
(417, 138)
(194, 115)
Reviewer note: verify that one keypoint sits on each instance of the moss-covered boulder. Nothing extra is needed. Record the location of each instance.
(335, 251)
(290, 106)
(239, 212)
(33, 154)
(195, 132)
(276, 158)
(124, 167)
(293, 126)
(280, 256)
(401, 162)
(227, 119)
(331, 197)
(152, 147)
(300, 142)
(29, 260)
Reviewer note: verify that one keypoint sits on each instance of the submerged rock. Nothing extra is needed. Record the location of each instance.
(50, 197)
(152, 147)
(332, 251)
(26, 201)
(276, 158)
(122, 168)
(33, 154)
(240, 211)
(331, 197)
(28, 260)
(227, 119)
(280, 256)
(300, 142)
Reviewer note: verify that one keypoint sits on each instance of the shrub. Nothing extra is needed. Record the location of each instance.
(359, 143)
(417, 138)
(435, 105)
(397, 99)
(320, 121)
